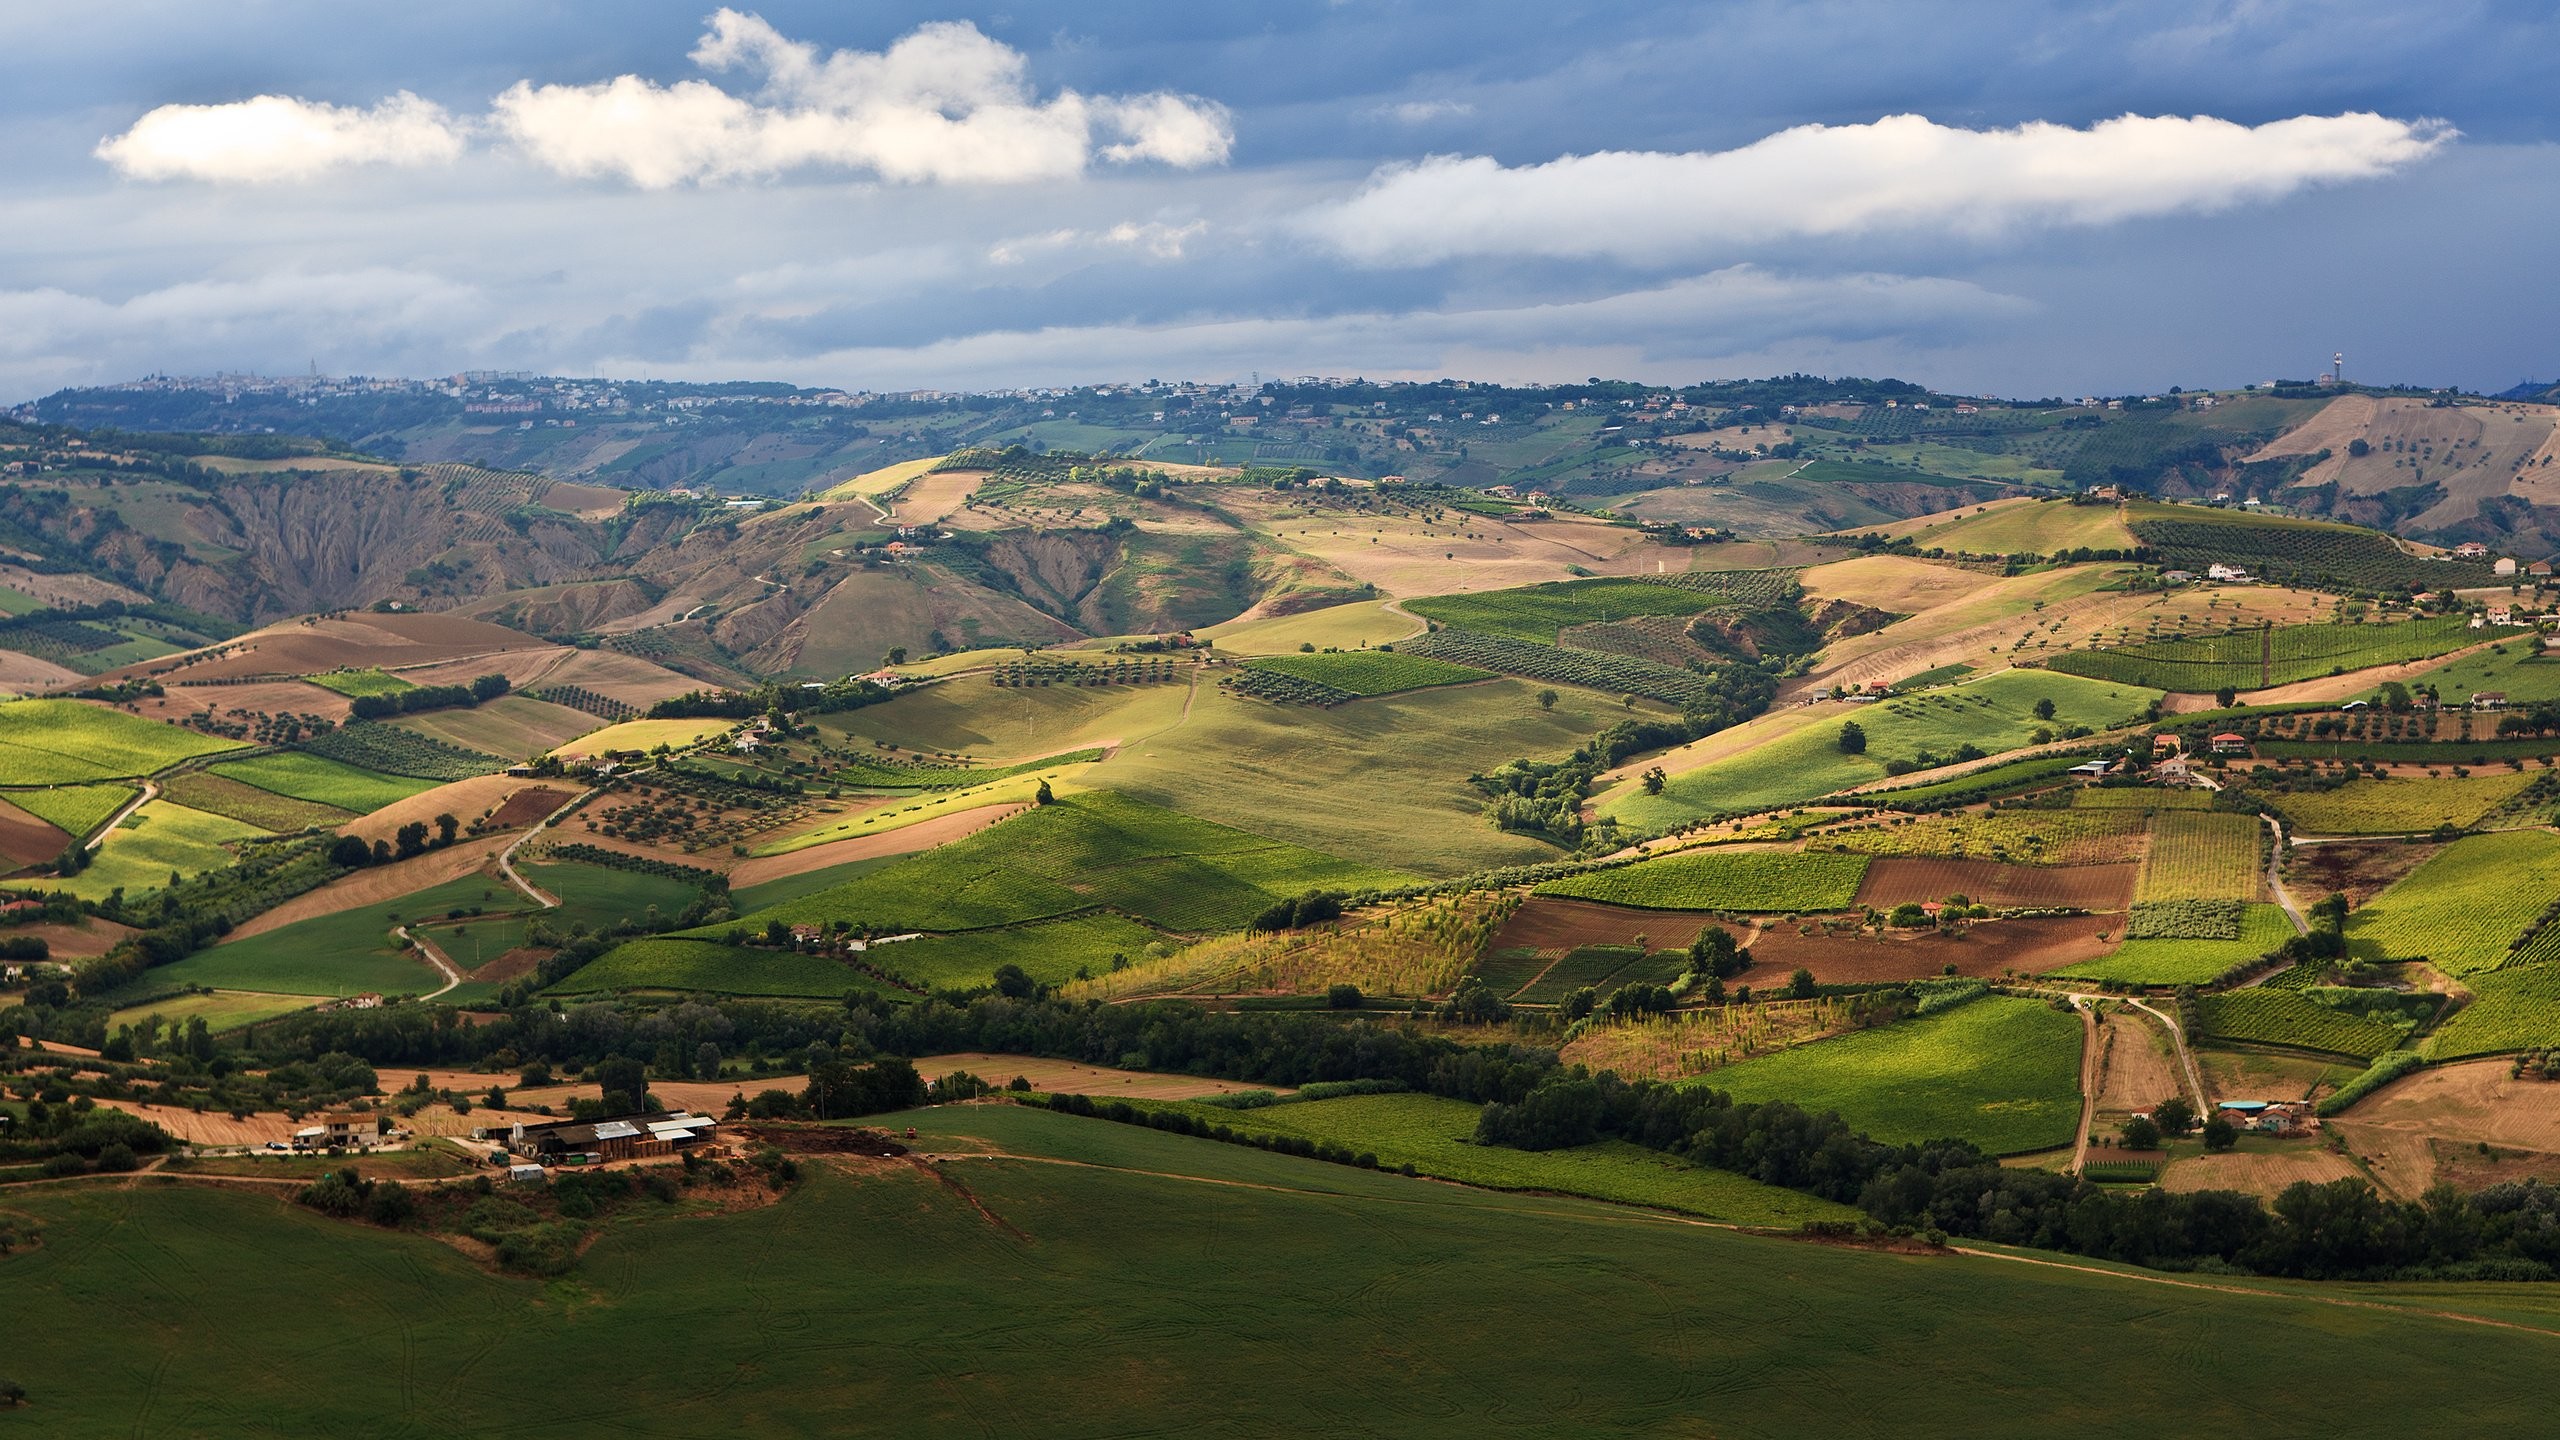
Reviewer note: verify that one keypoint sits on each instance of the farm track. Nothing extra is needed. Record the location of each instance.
(507, 857)
(150, 792)
(2089, 1063)
(2275, 876)
(444, 965)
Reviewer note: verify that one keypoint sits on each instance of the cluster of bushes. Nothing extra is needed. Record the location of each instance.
(421, 698)
(1313, 908)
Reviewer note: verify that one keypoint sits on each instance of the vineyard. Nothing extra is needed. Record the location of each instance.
(2256, 658)
(1689, 1043)
(74, 809)
(249, 804)
(1029, 674)
(58, 742)
(1752, 589)
(1420, 950)
(319, 781)
(2139, 797)
(2261, 1016)
(2011, 778)
(1608, 674)
(2185, 920)
(395, 751)
(2296, 552)
(1606, 969)
(578, 697)
(1281, 688)
(1737, 880)
(1369, 672)
(2466, 908)
(2259, 931)
(2003, 1073)
(2398, 806)
(2512, 1009)
(2204, 855)
(1537, 613)
(2018, 837)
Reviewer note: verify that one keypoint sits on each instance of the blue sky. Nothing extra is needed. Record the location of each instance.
(2014, 199)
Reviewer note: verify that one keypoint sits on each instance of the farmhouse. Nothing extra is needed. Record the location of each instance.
(2539, 569)
(2165, 744)
(2470, 550)
(340, 1130)
(2501, 615)
(2230, 743)
(2489, 700)
(2506, 566)
(2233, 573)
(2179, 577)
(620, 1137)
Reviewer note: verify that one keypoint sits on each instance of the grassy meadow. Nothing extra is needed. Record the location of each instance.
(343, 954)
(2003, 1073)
(155, 841)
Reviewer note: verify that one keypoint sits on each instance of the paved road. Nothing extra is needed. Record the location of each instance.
(437, 958)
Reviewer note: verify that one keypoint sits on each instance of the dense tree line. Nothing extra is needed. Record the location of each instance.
(418, 699)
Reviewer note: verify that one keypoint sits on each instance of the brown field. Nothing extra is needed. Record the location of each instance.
(26, 840)
(310, 646)
(464, 800)
(1987, 949)
(2137, 1072)
(27, 675)
(617, 676)
(524, 669)
(1893, 880)
(591, 502)
(263, 697)
(377, 883)
(526, 806)
(1066, 1077)
(2263, 1173)
(923, 835)
(313, 464)
(2339, 687)
(511, 726)
(92, 936)
(1897, 582)
(68, 589)
(213, 1127)
(2470, 452)
(2357, 869)
(2468, 1103)
(2262, 1075)
(1545, 923)
(1404, 554)
(930, 499)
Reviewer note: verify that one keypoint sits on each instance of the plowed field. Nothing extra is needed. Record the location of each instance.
(1988, 948)
(1894, 880)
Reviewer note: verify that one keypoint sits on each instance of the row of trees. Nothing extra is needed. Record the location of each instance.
(418, 699)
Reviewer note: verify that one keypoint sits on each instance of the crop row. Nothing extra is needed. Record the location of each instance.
(1369, 672)
(2283, 1017)
(2250, 659)
(2202, 855)
(2323, 557)
(2398, 806)
(1281, 688)
(395, 751)
(1740, 880)
(2019, 837)
(1610, 674)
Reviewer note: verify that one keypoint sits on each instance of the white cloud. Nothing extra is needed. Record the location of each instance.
(944, 104)
(272, 138)
(1157, 238)
(1424, 112)
(1903, 172)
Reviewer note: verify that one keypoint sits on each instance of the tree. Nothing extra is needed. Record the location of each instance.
(412, 839)
(2174, 1116)
(446, 828)
(2140, 1134)
(1342, 997)
(1800, 985)
(1853, 738)
(1654, 779)
(1547, 699)
(625, 1083)
(1715, 955)
(2224, 696)
(349, 852)
(706, 1062)
(1581, 1002)
(2044, 708)
(1044, 795)
(1015, 983)
(2220, 1135)
(897, 655)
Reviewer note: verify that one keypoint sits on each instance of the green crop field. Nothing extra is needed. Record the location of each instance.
(2003, 1073)
(1805, 762)
(1371, 672)
(2278, 655)
(2398, 807)
(1225, 1272)
(391, 750)
(357, 684)
(1436, 1137)
(155, 841)
(2139, 797)
(2517, 1008)
(248, 804)
(1983, 784)
(1097, 849)
(2466, 907)
(322, 781)
(74, 809)
(66, 742)
(1715, 879)
(2518, 668)
(598, 896)
(706, 966)
(1537, 613)
(2265, 1015)
(1052, 952)
(220, 1011)
(2019, 837)
(1605, 968)
(1507, 970)
(2190, 962)
(2204, 855)
(343, 954)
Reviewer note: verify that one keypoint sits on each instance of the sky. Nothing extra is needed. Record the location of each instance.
(2009, 198)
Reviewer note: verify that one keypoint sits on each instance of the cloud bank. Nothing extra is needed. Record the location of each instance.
(1903, 172)
(946, 104)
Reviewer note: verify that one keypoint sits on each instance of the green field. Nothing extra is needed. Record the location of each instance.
(2204, 855)
(138, 856)
(222, 1010)
(1537, 613)
(2139, 797)
(391, 750)
(66, 742)
(2003, 1073)
(1096, 849)
(2190, 962)
(2019, 837)
(1371, 672)
(1715, 879)
(343, 954)
(1437, 1137)
(707, 966)
(1226, 1274)
(2265, 1015)
(321, 781)
(1994, 713)
(2397, 806)
(357, 684)
(1606, 969)
(597, 896)
(2015, 776)
(2279, 655)
(221, 795)
(2517, 1008)
(792, 887)
(2519, 668)
(74, 809)
(2466, 906)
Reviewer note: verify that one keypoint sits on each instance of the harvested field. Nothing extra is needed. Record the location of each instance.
(26, 675)
(1066, 1077)
(1544, 922)
(378, 883)
(1986, 949)
(345, 642)
(931, 498)
(464, 800)
(1894, 880)
(2263, 1173)
(511, 726)
(26, 840)
(616, 676)
(526, 806)
(211, 1127)
(2136, 1072)
(923, 835)
(2359, 869)
(2467, 1103)
(524, 669)
(75, 942)
(261, 697)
